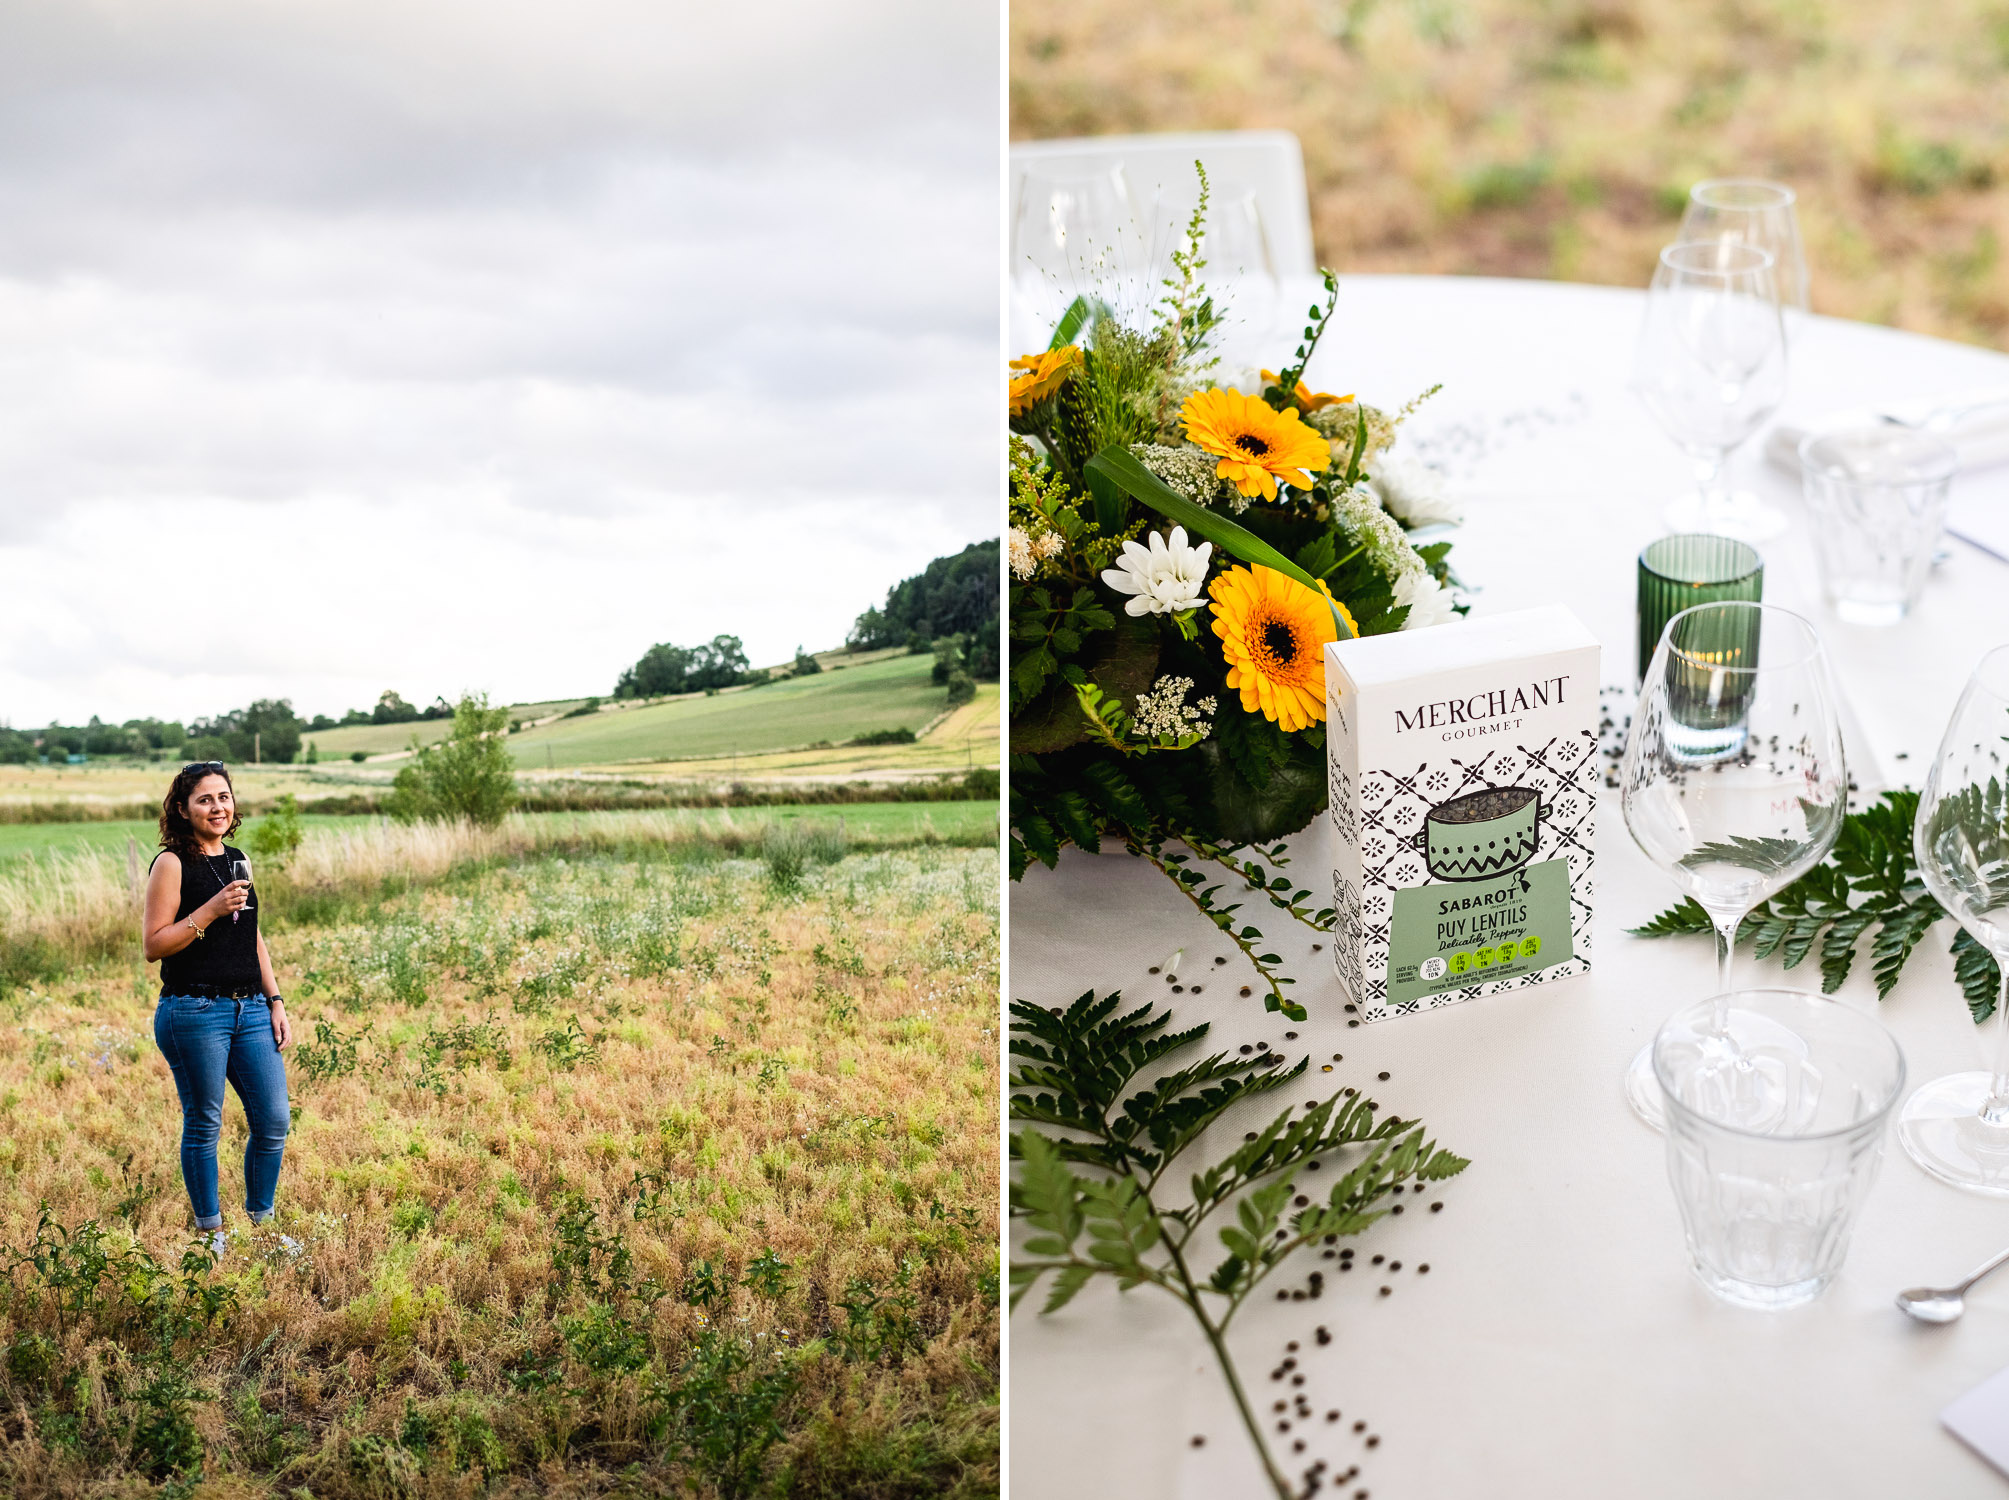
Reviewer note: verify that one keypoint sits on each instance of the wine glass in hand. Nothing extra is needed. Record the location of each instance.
(1957, 1127)
(1734, 783)
(240, 869)
(1711, 367)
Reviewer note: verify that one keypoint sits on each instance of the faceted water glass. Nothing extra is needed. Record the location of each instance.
(1877, 494)
(1768, 1201)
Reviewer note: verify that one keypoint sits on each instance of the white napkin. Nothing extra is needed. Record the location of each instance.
(1975, 422)
(1980, 1419)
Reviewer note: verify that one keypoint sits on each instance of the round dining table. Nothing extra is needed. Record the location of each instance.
(1559, 1345)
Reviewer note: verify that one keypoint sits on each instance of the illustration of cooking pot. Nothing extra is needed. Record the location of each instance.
(1481, 834)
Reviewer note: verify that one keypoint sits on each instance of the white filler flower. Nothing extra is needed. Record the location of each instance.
(1163, 578)
(1413, 491)
(1428, 600)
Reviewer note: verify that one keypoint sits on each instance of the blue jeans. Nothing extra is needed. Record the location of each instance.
(206, 1042)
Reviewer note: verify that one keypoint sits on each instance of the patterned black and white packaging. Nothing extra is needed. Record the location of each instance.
(1463, 767)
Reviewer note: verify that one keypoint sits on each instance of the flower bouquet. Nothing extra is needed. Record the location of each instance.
(1182, 548)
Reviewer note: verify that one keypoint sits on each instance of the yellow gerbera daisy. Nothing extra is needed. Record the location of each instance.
(1045, 373)
(1273, 632)
(1307, 399)
(1256, 445)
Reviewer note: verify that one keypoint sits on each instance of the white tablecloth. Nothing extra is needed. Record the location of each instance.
(1558, 1347)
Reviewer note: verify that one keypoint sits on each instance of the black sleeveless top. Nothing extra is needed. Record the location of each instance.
(227, 956)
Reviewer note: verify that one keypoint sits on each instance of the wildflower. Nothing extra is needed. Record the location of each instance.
(1187, 471)
(1164, 714)
(1368, 526)
(1273, 632)
(1163, 578)
(1307, 399)
(1412, 491)
(1256, 446)
(1018, 547)
(1044, 374)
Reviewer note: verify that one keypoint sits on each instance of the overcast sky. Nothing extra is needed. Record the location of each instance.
(442, 345)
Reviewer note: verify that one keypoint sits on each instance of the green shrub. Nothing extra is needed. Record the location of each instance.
(467, 775)
(885, 737)
(276, 836)
(962, 688)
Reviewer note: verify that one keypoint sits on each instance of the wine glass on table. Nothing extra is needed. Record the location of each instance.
(1241, 266)
(1734, 783)
(1711, 368)
(240, 869)
(1957, 1127)
(1074, 233)
(1750, 212)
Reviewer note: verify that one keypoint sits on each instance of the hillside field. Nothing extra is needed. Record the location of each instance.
(831, 706)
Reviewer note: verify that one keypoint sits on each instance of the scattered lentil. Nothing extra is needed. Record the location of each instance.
(1290, 1036)
(1378, 1260)
(1424, 1269)
(1436, 1208)
(1387, 1291)
(1154, 969)
(1332, 1416)
(1324, 1335)
(1198, 1441)
(1373, 1440)
(1382, 1076)
(1247, 991)
(1395, 1265)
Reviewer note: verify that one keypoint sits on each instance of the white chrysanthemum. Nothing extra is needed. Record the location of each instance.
(1414, 493)
(1018, 547)
(1163, 578)
(1428, 600)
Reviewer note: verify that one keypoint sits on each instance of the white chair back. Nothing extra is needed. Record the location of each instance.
(1267, 163)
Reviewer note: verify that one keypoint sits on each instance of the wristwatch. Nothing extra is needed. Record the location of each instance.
(200, 932)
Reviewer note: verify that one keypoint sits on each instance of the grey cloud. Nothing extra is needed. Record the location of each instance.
(596, 262)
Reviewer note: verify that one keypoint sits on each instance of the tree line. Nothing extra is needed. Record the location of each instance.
(950, 608)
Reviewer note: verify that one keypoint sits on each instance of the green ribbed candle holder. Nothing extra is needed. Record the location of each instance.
(1680, 572)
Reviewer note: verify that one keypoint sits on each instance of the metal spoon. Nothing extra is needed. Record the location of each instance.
(1944, 1304)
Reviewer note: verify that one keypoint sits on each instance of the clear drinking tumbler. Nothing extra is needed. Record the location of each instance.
(1774, 1134)
(1878, 497)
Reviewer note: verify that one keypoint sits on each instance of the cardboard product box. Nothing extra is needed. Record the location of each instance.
(1463, 768)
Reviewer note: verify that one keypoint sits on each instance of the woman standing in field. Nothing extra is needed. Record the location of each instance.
(220, 1016)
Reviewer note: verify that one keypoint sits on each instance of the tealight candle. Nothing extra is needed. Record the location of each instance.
(1680, 572)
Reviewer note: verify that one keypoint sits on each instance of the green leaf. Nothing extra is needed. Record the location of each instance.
(1080, 313)
(1119, 468)
(1066, 1282)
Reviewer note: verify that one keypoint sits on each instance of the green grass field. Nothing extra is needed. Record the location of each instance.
(895, 693)
(854, 695)
(952, 822)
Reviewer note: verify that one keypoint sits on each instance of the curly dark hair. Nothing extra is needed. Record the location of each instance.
(177, 834)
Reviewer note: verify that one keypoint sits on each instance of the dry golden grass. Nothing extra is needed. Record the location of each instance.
(1557, 138)
(698, 1059)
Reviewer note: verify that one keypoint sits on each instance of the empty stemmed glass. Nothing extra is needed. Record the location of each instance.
(1957, 1127)
(1711, 368)
(1241, 268)
(1734, 783)
(1747, 211)
(240, 869)
(1075, 233)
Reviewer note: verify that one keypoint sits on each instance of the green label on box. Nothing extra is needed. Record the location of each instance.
(1467, 932)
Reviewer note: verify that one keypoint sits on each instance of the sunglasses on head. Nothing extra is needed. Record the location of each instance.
(203, 765)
